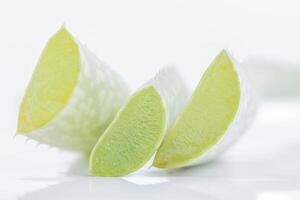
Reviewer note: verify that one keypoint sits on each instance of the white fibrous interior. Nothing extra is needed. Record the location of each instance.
(99, 94)
(173, 90)
(174, 93)
(242, 121)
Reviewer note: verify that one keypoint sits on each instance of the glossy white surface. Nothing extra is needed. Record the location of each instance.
(264, 165)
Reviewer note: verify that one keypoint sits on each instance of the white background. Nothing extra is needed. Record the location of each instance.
(137, 38)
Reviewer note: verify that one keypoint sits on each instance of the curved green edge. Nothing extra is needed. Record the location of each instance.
(52, 83)
(206, 117)
(133, 136)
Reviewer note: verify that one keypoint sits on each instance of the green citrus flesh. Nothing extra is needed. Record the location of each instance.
(206, 117)
(52, 83)
(133, 136)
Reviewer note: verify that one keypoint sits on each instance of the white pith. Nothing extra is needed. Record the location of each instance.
(174, 95)
(173, 91)
(242, 120)
(97, 97)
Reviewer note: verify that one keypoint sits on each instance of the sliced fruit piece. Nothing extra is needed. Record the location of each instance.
(52, 84)
(137, 131)
(72, 96)
(218, 112)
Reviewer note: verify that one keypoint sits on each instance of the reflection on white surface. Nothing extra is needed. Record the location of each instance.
(115, 188)
(263, 165)
(288, 195)
(144, 180)
(175, 188)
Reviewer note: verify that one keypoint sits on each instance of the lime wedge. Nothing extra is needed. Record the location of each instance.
(138, 129)
(72, 96)
(218, 112)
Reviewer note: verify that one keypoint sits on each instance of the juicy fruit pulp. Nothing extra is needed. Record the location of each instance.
(72, 96)
(132, 137)
(52, 83)
(206, 117)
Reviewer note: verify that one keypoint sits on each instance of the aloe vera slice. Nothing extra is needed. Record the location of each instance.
(138, 129)
(72, 96)
(218, 113)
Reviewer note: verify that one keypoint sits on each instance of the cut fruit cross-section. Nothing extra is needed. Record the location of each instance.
(72, 96)
(138, 129)
(218, 112)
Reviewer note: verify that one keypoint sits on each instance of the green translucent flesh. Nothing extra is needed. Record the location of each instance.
(52, 83)
(133, 136)
(206, 118)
